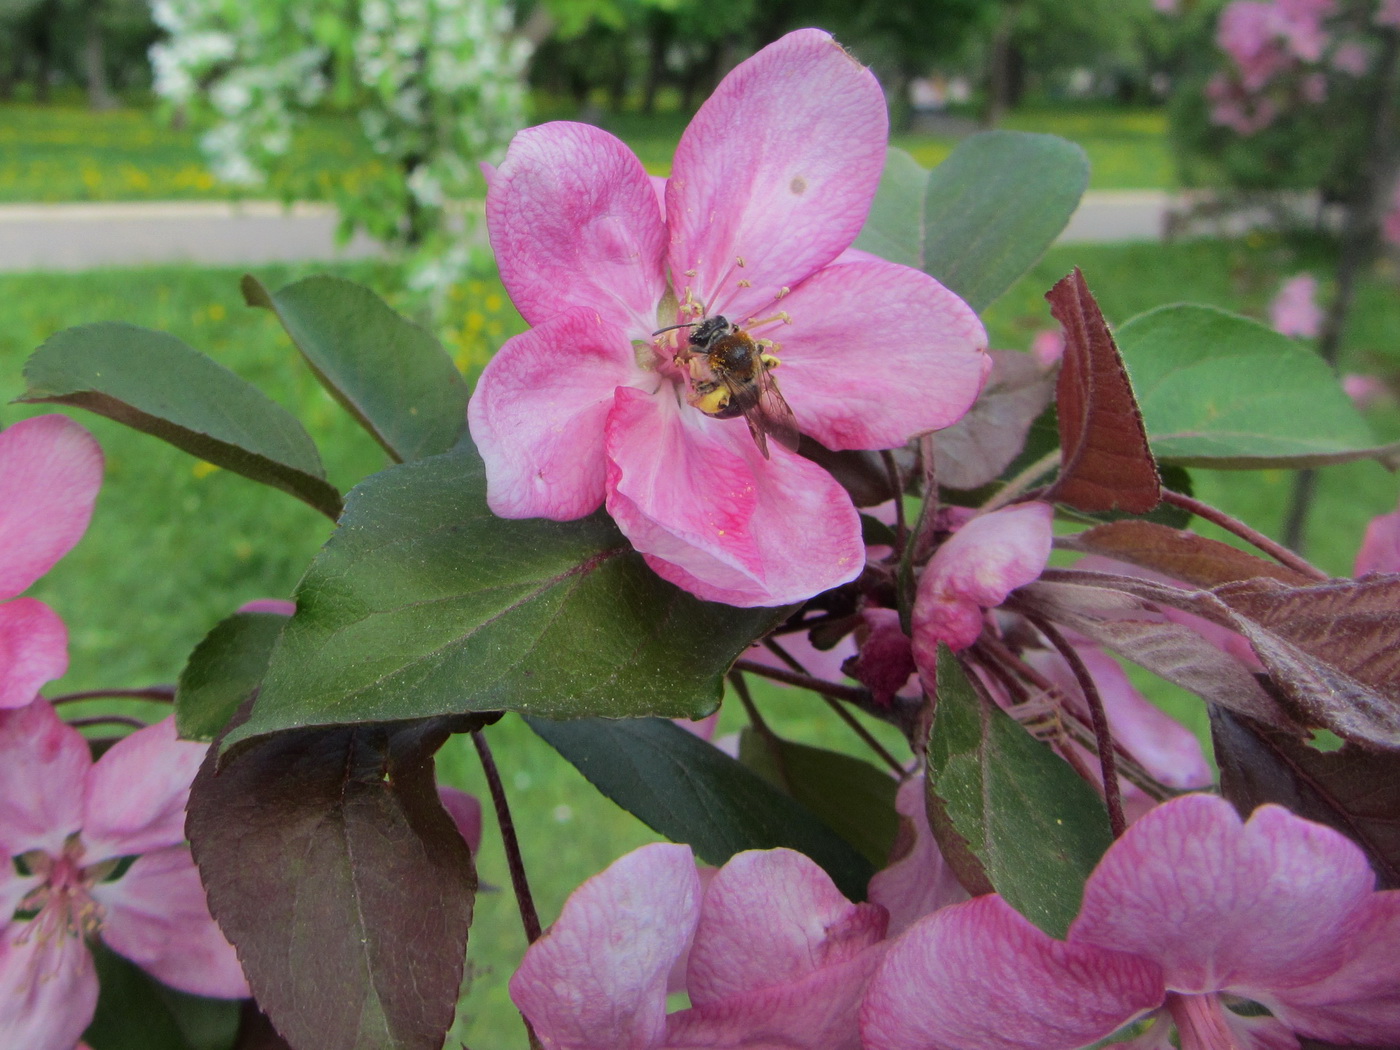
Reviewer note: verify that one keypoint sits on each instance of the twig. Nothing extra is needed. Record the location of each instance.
(1017, 486)
(1250, 535)
(901, 529)
(529, 918)
(805, 681)
(163, 693)
(1103, 736)
(106, 720)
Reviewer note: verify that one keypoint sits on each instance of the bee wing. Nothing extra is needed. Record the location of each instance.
(774, 415)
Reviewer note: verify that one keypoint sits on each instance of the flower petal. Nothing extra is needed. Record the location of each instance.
(50, 471)
(538, 415)
(1359, 1002)
(769, 918)
(597, 979)
(713, 516)
(465, 811)
(976, 569)
(876, 354)
(1380, 550)
(33, 649)
(136, 793)
(48, 990)
(1221, 904)
(44, 766)
(778, 168)
(978, 976)
(574, 223)
(820, 1011)
(157, 916)
(918, 881)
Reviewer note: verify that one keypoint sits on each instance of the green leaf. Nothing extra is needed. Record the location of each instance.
(1220, 390)
(131, 1012)
(391, 375)
(1036, 827)
(223, 671)
(854, 798)
(981, 218)
(423, 603)
(691, 791)
(152, 382)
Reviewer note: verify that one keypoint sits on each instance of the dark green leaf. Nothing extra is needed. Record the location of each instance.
(1036, 827)
(347, 889)
(855, 799)
(223, 671)
(690, 791)
(1220, 390)
(423, 602)
(981, 218)
(152, 382)
(131, 1013)
(391, 375)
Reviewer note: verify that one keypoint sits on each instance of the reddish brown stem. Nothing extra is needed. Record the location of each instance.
(805, 681)
(1103, 736)
(107, 720)
(1275, 550)
(163, 693)
(529, 918)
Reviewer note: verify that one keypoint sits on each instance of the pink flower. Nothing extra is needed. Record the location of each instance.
(1388, 13)
(885, 660)
(73, 824)
(774, 956)
(1248, 32)
(1365, 391)
(1234, 107)
(1048, 347)
(1380, 550)
(1390, 222)
(1294, 311)
(592, 406)
(976, 569)
(1190, 905)
(50, 471)
(1352, 57)
(917, 881)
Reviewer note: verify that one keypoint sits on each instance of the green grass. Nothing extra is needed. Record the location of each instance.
(65, 152)
(175, 546)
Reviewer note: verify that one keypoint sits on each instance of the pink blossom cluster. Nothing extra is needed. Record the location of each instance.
(1280, 52)
(1189, 913)
(609, 400)
(90, 849)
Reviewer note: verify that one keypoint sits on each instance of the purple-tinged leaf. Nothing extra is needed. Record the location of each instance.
(255, 1031)
(332, 866)
(154, 383)
(862, 474)
(1353, 790)
(978, 447)
(1105, 461)
(1182, 555)
(1001, 798)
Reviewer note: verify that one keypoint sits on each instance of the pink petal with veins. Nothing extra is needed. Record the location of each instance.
(158, 918)
(597, 979)
(978, 976)
(539, 413)
(50, 471)
(877, 354)
(1359, 1002)
(48, 990)
(976, 569)
(33, 649)
(697, 498)
(770, 918)
(820, 1011)
(1380, 550)
(465, 811)
(757, 174)
(136, 793)
(1221, 904)
(44, 767)
(574, 223)
(917, 881)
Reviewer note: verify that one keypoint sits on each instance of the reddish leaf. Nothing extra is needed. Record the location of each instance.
(978, 447)
(333, 868)
(1178, 553)
(1105, 462)
(1353, 790)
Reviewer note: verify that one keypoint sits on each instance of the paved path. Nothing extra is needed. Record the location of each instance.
(83, 236)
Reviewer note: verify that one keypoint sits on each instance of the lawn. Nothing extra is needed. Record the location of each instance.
(65, 152)
(209, 541)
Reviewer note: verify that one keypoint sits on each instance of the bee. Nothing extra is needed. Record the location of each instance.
(731, 375)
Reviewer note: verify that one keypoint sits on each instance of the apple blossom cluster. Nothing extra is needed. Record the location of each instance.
(603, 401)
(436, 86)
(92, 849)
(1190, 914)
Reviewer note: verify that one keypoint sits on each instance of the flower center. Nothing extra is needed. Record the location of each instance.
(62, 903)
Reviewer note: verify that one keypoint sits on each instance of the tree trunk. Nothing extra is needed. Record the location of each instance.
(658, 43)
(1001, 73)
(99, 90)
